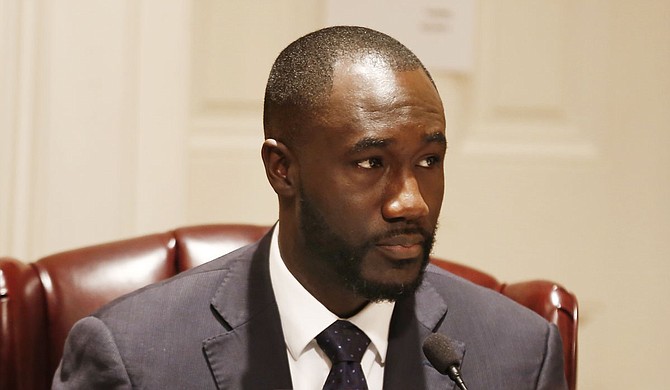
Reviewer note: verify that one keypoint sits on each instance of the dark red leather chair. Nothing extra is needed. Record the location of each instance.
(40, 301)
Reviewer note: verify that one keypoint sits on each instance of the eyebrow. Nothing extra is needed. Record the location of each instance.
(436, 137)
(374, 142)
(370, 143)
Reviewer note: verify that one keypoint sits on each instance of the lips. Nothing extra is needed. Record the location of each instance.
(403, 246)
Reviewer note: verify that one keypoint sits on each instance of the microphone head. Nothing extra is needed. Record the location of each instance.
(439, 350)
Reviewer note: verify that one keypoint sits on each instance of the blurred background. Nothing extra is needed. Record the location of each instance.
(120, 118)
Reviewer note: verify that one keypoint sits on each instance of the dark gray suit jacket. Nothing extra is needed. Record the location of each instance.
(217, 326)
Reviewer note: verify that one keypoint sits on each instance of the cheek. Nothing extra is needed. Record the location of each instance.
(435, 198)
(350, 210)
(355, 210)
(432, 190)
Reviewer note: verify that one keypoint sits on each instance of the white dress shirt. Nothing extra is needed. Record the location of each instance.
(303, 317)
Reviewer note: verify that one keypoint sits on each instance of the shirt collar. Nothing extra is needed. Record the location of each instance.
(303, 317)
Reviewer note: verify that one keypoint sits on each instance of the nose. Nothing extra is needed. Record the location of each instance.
(404, 200)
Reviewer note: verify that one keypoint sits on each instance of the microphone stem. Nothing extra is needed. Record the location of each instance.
(455, 375)
(460, 383)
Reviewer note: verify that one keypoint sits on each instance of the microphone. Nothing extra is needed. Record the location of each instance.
(440, 353)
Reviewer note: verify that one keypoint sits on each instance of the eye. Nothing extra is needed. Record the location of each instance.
(369, 163)
(429, 161)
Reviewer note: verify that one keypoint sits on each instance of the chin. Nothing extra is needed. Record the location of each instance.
(390, 289)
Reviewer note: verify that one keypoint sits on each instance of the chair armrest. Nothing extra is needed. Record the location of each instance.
(22, 326)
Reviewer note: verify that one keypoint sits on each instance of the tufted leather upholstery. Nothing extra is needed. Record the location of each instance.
(40, 301)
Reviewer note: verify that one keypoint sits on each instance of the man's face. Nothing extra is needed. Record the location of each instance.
(371, 178)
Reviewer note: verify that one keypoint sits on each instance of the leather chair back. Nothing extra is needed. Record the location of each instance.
(40, 301)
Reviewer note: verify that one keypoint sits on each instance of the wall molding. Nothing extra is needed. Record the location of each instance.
(19, 43)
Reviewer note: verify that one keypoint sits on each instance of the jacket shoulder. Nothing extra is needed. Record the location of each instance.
(465, 297)
(199, 282)
(505, 343)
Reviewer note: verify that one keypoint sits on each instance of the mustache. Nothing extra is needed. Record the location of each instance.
(428, 236)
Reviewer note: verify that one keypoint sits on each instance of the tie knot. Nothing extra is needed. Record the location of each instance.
(342, 341)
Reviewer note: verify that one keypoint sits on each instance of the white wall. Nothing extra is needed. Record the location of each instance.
(129, 117)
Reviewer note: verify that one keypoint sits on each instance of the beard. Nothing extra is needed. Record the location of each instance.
(346, 258)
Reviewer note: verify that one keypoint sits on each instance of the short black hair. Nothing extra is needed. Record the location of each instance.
(301, 78)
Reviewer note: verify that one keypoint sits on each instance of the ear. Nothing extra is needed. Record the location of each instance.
(280, 167)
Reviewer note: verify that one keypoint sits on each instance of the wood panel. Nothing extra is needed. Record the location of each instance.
(235, 44)
(522, 102)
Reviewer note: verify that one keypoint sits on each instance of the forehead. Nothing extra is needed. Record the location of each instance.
(370, 99)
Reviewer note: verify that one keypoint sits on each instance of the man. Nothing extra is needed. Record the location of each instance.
(354, 149)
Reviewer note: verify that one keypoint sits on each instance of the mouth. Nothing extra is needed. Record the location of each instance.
(401, 247)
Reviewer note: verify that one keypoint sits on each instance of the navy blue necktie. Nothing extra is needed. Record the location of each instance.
(344, 344)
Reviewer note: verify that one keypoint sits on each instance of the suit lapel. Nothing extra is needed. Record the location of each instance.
(251, 353)
(414, 318)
